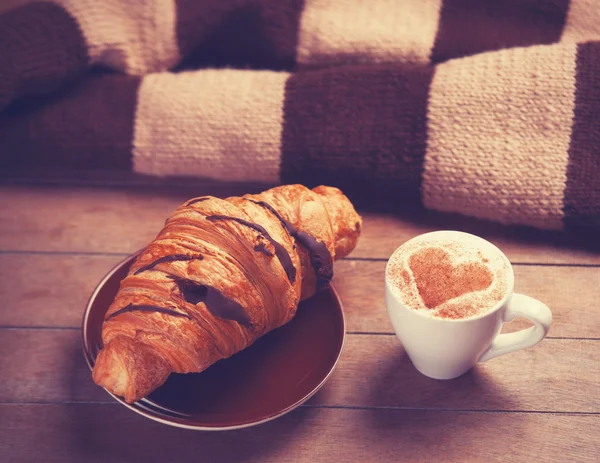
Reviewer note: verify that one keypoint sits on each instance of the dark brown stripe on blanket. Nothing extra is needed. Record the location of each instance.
(239, 33)
(362, 129)
(467, 27)
(41, 49)
(582, 192)
(89, 126)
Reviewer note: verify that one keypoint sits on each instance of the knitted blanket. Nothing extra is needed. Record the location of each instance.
(484, 108)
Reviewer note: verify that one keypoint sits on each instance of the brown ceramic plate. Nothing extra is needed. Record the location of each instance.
(279, 372)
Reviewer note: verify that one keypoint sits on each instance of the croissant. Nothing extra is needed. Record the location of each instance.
(220, 274)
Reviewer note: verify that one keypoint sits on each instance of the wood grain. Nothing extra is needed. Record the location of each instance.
(384, 233)
(540, 404)
(52, 290)
(123, 219)
(555, 376)
(88, 220)
(570, 292)
(100, 433)
(45, 366)
(49, 290)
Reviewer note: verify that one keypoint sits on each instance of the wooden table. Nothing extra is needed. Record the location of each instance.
(58, 238)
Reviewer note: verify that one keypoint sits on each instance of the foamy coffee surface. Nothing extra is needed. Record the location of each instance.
(449, 275)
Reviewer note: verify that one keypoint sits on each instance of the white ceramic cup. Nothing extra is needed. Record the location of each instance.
(443, 348)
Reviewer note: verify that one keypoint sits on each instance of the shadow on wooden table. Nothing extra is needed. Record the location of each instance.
(422, 220)
(399, 383)
(426, 412)
(112, 433)
(107, 431)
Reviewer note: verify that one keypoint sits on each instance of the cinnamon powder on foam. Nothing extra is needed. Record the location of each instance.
(449, 280)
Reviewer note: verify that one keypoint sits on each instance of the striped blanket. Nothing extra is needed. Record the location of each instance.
(485, 108)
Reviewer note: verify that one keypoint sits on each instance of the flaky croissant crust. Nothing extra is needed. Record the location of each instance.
(219, 275)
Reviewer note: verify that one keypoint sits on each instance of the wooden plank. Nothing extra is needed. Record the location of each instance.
(49, 290)
(40, 365)
(384, 233)
(555, 376)
(83, 219)
(570, 292)
(100, 433)
(120, 219)
(52, 290)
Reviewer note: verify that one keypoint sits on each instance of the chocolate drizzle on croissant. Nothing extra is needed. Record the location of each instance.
(261, 247)
(219, 304)
(197, 200)
(320, 257)
(280, 252)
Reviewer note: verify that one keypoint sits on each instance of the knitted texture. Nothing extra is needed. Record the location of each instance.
(41, 49)
(582, 193)
(136, 36)
(508, 160)
(223, 124)
(488, 109)
(355, 31)
(582, 21)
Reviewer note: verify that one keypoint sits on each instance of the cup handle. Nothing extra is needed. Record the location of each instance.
(527, 307)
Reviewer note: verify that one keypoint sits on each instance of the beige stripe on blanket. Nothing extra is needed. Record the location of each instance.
(499, 126)
(218, 124)
(358, 31)
(136, 37)
(583, 21)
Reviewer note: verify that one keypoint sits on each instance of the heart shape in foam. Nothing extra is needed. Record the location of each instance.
(439, 279)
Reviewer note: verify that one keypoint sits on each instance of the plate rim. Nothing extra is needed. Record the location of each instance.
(151, 416)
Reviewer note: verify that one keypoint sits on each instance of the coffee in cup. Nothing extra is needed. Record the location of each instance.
(449, 275)
(448, 294)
